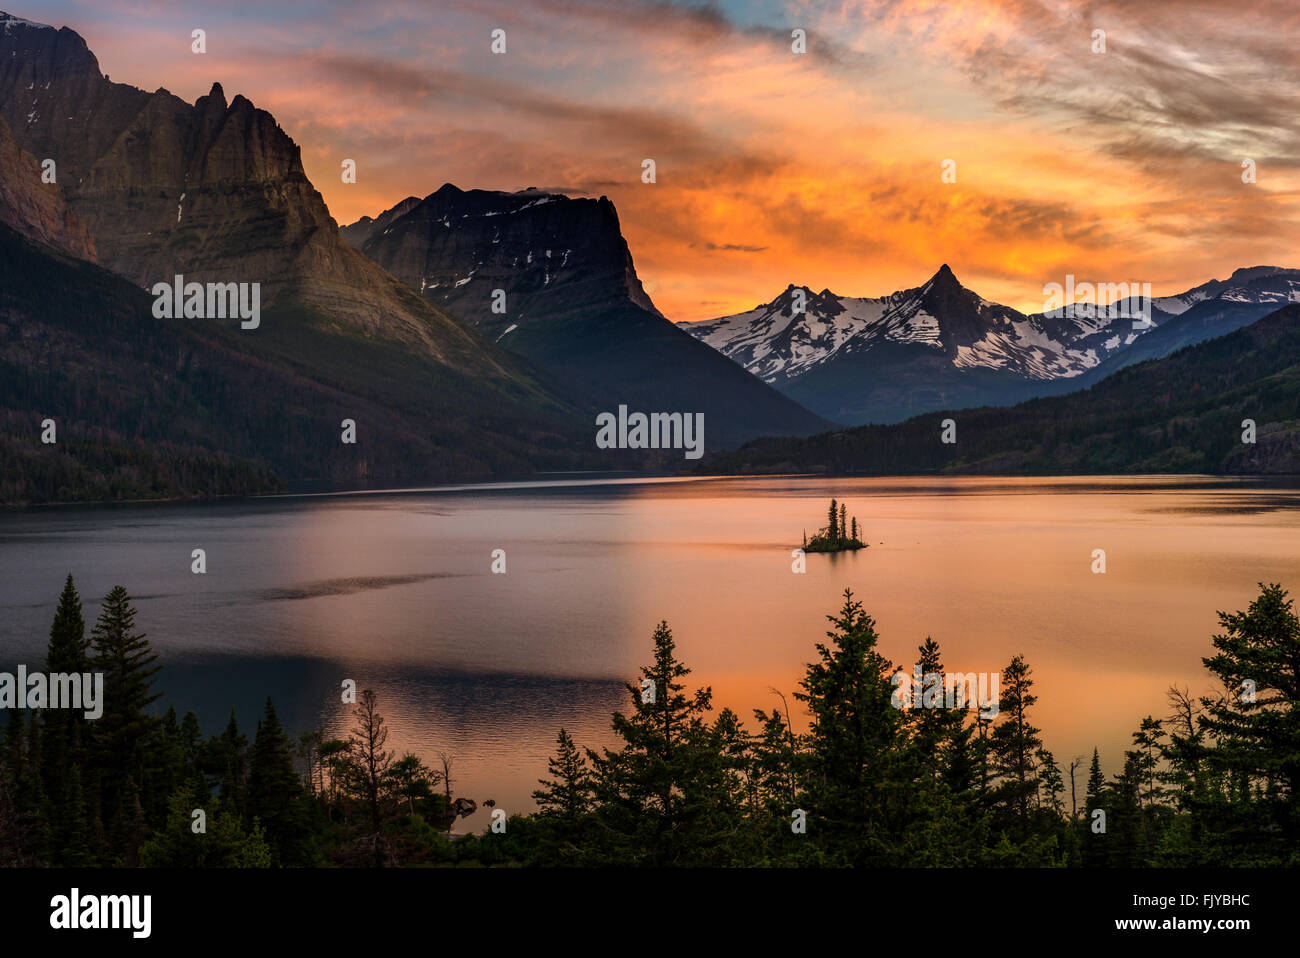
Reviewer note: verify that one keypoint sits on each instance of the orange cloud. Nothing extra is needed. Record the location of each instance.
(820, 169)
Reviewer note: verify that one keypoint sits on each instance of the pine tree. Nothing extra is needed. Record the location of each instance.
(1051, 784)
(936, 729)
(832, 520)
(225, 756)
(409, 780)
(843, 527)
(63, 756)
(223, 844)
(564, 803)
(1255, 727)
(855, 744)
(1096, 783)
(71, 847)
(275, 793)
(68, 650)
(567, 793)
(1150, 749)
(854, 536)
(652, 793)
(368, 765)
(1015, 744)
(122, 735)
(1096, 847)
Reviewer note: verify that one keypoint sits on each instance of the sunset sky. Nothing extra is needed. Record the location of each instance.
(821, 169)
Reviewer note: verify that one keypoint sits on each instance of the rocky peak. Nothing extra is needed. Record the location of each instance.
(554, 255)
(214, 191)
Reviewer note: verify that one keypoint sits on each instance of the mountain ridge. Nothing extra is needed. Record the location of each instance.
(857, 360)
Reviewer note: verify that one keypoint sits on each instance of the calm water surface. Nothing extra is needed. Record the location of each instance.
(395, 591)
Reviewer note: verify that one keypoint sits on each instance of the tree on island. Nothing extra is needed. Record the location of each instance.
(836, 537)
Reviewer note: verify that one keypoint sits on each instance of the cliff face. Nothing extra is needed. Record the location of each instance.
(573, 303)
(554, 256)
(34, 208)
(163, 186)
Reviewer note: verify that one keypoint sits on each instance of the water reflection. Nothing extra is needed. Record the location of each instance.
(395, 590)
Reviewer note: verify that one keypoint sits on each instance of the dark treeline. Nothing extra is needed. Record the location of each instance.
(123, 789)
(1213, 782)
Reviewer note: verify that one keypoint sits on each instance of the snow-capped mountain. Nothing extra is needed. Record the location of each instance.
(940, 345)
(783, 339)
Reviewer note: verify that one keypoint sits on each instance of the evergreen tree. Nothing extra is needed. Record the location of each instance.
(63, 755)
(226, 757)
(22, 830)
(832, 522)
(935, 727)
(68, 650)
(123, 734)
(855, 743)
(567, 793)
(1097, 797)
(275, 793)
(1015, 744)
(368, 765)
(1255, 727)
(652, 793)
(409, 781)
(1150, 747)
(1051, 785)
(1096, 783)
(564, 803)
(843, 526)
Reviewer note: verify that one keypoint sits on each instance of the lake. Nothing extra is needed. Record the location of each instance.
(395, 591)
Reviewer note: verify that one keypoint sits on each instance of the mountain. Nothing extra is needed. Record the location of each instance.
(1213, 309)
(37, 209)
(1179, 414)
(941, 345)
(573, 303)
(356, 234)
(935, 346)
(215, 191)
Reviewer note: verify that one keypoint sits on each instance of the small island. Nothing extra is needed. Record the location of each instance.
(839, 534)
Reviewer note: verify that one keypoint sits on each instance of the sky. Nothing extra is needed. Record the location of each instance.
(1112, 161)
